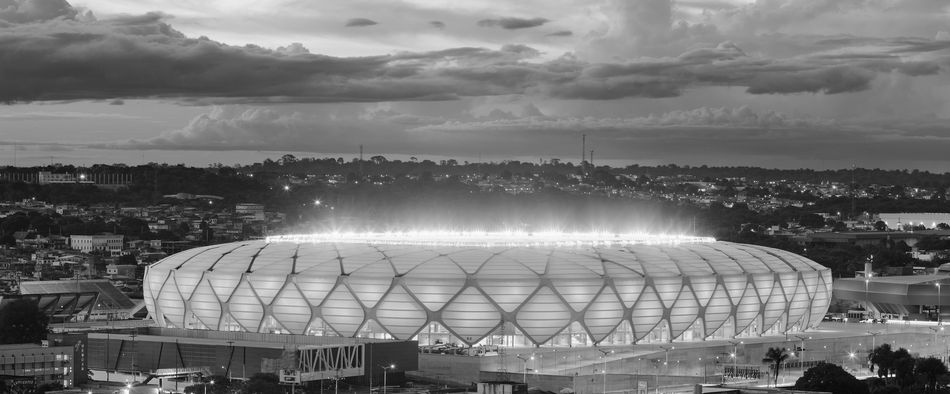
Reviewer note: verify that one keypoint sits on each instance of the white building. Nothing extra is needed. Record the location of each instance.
(88, 243)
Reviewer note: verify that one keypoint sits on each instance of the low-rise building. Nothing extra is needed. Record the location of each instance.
(35, 365)
(89, 243)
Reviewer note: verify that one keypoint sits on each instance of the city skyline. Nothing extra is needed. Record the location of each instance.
(783, 84)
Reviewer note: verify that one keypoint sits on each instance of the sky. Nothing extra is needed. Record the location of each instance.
(771, 83)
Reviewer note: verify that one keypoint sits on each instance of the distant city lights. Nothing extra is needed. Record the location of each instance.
(491, 239)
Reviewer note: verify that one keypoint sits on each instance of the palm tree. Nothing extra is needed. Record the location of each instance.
(775, 356)
(931, 368)
(883, 357)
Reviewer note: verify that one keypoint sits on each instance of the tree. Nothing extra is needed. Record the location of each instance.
(832, 378)
(882, 357)
(22, 321)
(903, 367)
(930, 368)
(263, 383)
(775, 356)
(880, 225)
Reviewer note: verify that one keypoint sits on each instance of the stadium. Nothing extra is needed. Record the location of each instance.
(510, 290)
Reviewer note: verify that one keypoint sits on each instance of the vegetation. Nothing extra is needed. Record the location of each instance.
(775, 357)
(831, 378)
(900, 372)
(22, 321)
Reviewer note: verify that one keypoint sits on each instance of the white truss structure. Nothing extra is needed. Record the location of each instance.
(475, 289)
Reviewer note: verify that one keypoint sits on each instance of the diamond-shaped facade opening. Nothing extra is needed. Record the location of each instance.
(629, 289)
(718, 311)
(320, 328)
(578, 292)
(735, 285)
(604, 314)
(683, 313)
(471, 260)
(270, 325)
(799, 307)
(535, 260)
(471, 315)
(434, 294)
(371, 281)
(703, 287)
(748, 308)
(205, 305)
(810, 279)
(186, 281)
(171, 304)
(400, 314)
(245, 307)
(508, 285)
(357, 256)
(223, 284)
(406, 258)
(668, 289)
(291, 309)
(775, 307)
(342, 312)
(152, 284)
(575, 263)
(316, 282)
(647, 313)
(819, 305)
(543, 316)
(764, 283)
(266, 285)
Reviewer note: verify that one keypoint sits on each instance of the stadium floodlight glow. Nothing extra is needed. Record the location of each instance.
(491, 239)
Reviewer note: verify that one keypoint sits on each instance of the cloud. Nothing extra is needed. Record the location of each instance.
(63, 115)
(437, 24)
(360, 22)
(144, 57)
(511, 23)
(561, 33)
(27, 11)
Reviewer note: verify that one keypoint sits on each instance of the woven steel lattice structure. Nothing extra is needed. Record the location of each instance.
(611, 291)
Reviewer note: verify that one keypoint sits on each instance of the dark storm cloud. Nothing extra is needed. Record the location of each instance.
(360, 22)
(437, 24)
(512, 23)
(26, 11)
(561, 33)
(64, 58)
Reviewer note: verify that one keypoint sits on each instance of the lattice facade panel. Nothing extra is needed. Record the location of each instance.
(686, 290)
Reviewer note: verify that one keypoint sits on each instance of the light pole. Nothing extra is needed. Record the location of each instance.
(802, 350)
(524, 368)
(938, 302)
(386, 368)
(735, 357)
(605, 352)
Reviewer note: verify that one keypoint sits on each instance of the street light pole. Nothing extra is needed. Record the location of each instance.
(524, 369)
(605, 352)
(802, 351)
(386, 368)
(735, 357)
(938, 302)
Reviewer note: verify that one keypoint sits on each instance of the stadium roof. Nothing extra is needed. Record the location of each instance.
(110, 298)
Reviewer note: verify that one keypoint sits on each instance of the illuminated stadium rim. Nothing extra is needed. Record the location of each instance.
(491, 239)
